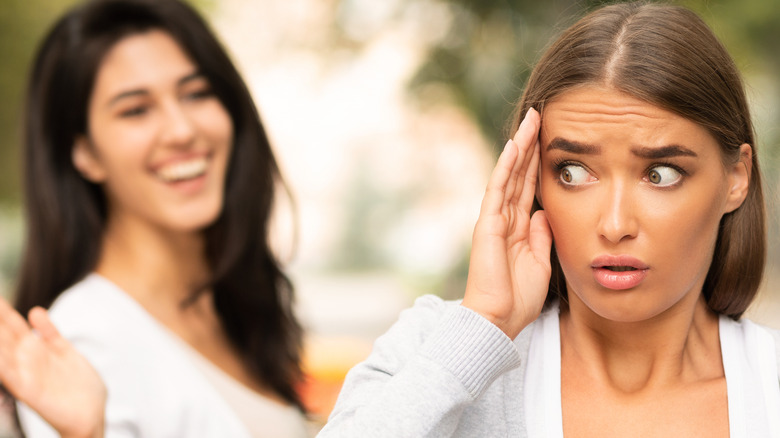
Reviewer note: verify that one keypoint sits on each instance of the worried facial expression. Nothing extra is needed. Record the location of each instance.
(159, 139)
(634, 195)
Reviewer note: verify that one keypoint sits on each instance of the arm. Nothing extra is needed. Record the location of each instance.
(43, 370)
(436, 360)
(422, 390)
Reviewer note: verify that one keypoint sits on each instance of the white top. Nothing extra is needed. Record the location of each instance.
(156, 387)
(443, 371)
(749, 363)
(262, 416)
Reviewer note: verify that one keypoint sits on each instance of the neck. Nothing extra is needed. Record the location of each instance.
(152, 264)
(679, 345)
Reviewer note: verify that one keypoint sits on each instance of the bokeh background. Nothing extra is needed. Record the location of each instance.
(386, 117)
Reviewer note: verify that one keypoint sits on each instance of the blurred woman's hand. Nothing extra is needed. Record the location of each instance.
(509, 268)
(43, 370)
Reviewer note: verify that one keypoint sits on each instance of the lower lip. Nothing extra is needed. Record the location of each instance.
(619, 280)
(188, 186)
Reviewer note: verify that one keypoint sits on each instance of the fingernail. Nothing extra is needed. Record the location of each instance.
(506, 146)
(527, 113)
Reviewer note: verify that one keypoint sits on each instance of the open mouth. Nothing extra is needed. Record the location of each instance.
(619, 272)
(183, 170)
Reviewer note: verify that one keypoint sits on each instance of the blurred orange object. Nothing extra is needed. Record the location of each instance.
(326, 361)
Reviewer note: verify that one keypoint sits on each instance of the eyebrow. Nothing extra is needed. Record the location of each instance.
(672, 150)
(144, 92)
(574, 147)
(650, 153)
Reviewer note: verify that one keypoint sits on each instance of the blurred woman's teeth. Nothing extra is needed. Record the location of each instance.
(183, 170)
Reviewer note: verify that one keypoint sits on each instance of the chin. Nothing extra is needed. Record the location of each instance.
(196, 219)
(622, 306)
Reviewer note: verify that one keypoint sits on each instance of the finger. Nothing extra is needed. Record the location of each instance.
(11, 321)
(531, 180)
(528, 132)
(41, 322)
(522, 140)
(529, 136)
(540, 239)
(494, 194)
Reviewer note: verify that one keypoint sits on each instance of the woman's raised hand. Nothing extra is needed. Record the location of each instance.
(509, 268)
(43, 370)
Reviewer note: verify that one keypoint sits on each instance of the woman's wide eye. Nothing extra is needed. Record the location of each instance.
(663, 176)
(574, 175)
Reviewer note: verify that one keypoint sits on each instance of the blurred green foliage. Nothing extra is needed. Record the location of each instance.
(492, 45)
(21, 26)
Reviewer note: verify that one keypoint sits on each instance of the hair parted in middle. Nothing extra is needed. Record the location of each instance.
(667, 56)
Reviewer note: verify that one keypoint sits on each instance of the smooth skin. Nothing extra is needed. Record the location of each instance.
(643, 361)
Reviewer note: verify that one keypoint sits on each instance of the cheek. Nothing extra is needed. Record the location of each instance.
(215, 123)
(569, 221)
(686, 231)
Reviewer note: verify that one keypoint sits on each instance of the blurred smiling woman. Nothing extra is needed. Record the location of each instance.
(149, 185)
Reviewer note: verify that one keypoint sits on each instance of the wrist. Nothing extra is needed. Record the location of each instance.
(510, 324)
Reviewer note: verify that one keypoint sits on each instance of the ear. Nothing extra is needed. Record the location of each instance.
(739, 178)
(86, 162)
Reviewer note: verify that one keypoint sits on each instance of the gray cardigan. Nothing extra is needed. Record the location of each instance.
(441, 371)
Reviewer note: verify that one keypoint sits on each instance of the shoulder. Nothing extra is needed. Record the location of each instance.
(775, 334)
(758, 340)
(93, 300)
(107, 326)
(154, 390)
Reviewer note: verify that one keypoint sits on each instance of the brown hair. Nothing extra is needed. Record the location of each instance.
(667, 56)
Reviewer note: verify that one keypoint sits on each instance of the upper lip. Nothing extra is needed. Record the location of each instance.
(179, 159)
(618, 260)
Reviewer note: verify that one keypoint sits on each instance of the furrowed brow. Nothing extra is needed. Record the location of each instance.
(655, 153)
(574, 147)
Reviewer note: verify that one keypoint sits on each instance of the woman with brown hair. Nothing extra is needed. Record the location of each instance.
(620, 240)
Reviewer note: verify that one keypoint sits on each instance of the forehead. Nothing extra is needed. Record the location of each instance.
(142, 60)
(604, 116)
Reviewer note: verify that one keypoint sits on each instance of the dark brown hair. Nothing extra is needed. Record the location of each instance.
(667, 56)
(66, 214)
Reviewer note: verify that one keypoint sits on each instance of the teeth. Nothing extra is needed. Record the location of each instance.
(620, 268)
(183, 170)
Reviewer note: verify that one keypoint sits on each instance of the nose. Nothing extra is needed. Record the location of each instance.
(618, 220)
(178, 128)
